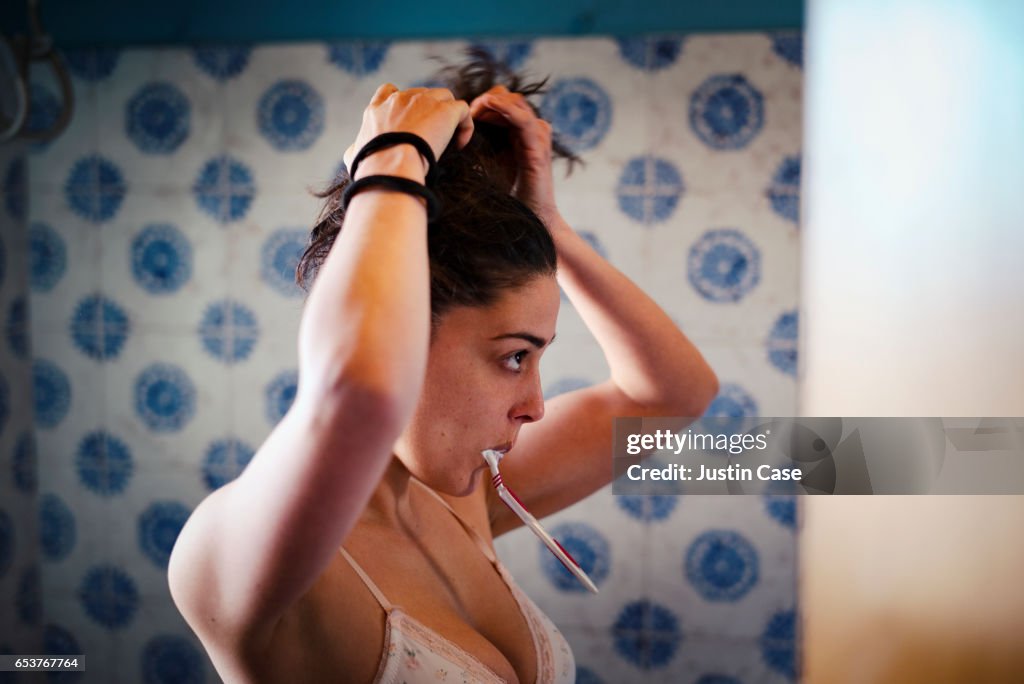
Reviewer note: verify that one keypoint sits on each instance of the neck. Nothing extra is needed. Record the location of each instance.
(391, 503)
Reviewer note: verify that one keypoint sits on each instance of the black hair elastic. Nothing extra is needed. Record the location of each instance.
(398, 184)
(385, 140)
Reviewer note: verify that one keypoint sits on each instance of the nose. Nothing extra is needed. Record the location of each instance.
(530, 406)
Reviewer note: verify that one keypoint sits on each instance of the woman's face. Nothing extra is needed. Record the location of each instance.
(482, 384)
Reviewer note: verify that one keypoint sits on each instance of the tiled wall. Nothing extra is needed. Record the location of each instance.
(164, 226)
(20, 606)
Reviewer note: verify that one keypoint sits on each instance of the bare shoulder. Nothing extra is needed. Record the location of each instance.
(335, 627)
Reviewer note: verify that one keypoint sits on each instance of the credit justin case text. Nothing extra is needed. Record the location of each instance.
(666, 440)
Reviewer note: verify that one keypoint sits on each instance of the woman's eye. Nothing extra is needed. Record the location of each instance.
(514, 361)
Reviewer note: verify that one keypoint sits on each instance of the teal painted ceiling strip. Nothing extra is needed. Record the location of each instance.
(131, 22)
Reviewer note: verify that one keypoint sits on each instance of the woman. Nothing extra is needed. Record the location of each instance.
(358, 544)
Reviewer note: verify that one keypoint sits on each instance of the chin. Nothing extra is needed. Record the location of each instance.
(466, 488)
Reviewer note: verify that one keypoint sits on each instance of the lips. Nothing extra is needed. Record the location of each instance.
(502, 448)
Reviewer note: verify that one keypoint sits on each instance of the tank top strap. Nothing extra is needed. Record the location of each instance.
(483, 546)
(374, 589)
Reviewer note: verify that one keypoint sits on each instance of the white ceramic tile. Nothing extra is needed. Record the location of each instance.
(287, 169)
(83, 248)
(248, 419)
(94, 642)
(284, 223)
(596, 659)
(207, 378)
(153, 302)
(772, 392)
(49, 164)
(618, 568)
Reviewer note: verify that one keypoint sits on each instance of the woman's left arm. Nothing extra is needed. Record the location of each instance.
(655, 369)
(653, 364)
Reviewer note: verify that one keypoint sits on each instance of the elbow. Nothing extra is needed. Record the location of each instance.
(378, 401)
(708, 391)
(694, 397)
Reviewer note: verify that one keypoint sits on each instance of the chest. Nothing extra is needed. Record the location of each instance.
(440, 579)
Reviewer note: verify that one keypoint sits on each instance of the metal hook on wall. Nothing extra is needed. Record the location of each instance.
(16, 55)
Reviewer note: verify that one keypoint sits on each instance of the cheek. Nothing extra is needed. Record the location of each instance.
(455, 395)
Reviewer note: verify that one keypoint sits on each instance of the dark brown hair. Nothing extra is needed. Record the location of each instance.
(484, 240)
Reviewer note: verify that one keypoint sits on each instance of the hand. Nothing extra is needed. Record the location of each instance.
(534, 183)
(431, 113)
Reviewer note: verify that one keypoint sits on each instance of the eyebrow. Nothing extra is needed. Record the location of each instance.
(537, 342)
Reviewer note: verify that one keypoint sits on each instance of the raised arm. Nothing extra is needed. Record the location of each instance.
(655, 369)
(253, 547)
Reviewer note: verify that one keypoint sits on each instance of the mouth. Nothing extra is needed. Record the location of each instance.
(503, 448)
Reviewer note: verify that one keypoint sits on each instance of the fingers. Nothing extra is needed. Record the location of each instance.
(464, 130)
(383, 93)
(512, 107)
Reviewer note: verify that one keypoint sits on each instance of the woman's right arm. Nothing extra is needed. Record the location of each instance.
(253, 547)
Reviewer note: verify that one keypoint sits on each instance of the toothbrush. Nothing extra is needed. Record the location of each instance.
(512, 501)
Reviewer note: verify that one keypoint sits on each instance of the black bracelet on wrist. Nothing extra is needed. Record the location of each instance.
(385, 140)
(398, 184)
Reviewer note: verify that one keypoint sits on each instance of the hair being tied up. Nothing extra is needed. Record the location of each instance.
(484, 240)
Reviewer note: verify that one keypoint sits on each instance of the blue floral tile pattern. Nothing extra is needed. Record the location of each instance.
(784, 192)
(57, 528)
(648, 507)
(724, 265)
(109, 596)
(44, 110)
(280, 394)
(722, 565)
(168, 658)
(225, 459)
(358, 59)
(159, 526)
(649, 189)
(782, 509)
(587, 546)
(161, 259)
(647, 634)
(52, 393)
(104, 463)
(580, 112)
(92, 64)
(291, 115)
(278, 258)
(584, 675)
(727, 112)
(732, 401)
(782, 343)
(165, 397)
(650, 54)
(95, 189)
(157, 118)
(790, 47)
(778, 644)
(47, 257)
(99, 327)
(222, 62)
(225, 189)
(229, 331)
